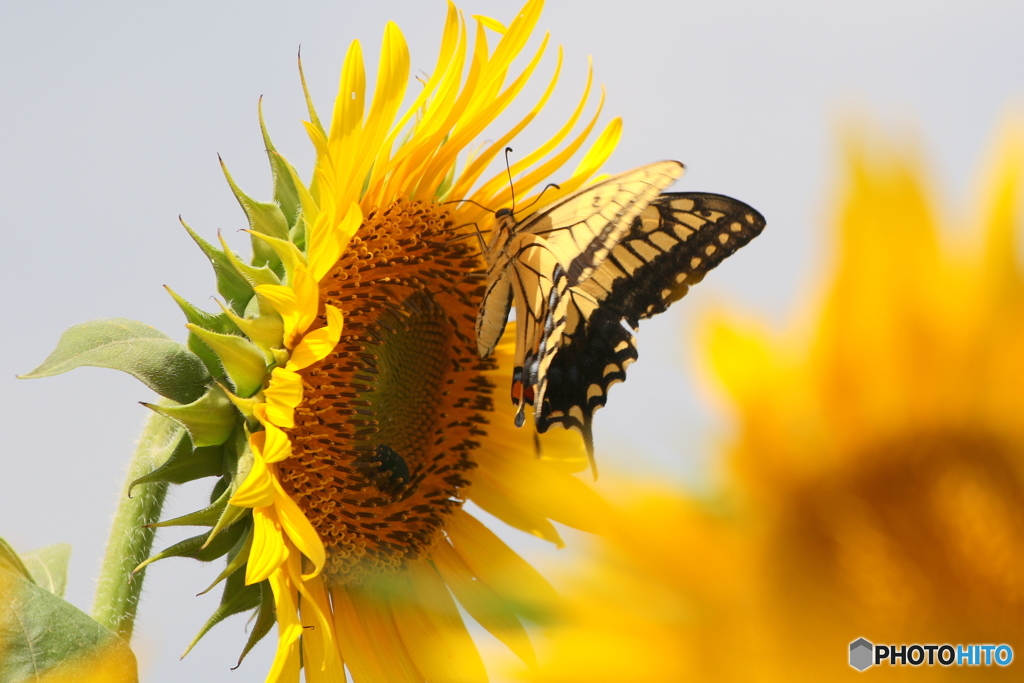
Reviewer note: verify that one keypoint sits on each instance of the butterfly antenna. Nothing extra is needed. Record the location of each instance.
(510, 185)
(546, 187)
(459, 201)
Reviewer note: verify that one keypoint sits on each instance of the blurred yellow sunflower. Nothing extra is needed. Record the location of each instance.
(367, 419)
(876, 483)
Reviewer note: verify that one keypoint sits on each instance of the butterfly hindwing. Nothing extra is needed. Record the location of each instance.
(575, 235)
(668, 248)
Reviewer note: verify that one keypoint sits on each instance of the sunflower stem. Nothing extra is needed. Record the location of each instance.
(131, 541)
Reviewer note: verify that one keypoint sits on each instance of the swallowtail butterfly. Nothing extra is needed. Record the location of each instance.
(617, 251)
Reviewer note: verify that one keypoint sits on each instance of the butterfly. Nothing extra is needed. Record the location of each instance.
(620, 250)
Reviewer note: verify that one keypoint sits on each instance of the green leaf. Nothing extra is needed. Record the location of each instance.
(11, 561)
(42, 634)
(49, 566)
(162, 364)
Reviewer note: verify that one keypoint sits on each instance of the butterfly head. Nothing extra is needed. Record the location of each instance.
(505, 226)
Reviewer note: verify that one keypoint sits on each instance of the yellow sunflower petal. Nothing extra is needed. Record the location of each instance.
(317, 344)
(285, 667)
(283, 395)
(299, 530)
(433, 632)
(359, 628)
(268, 551)
(258, 488)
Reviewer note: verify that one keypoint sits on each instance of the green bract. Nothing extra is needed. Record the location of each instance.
(209, 385)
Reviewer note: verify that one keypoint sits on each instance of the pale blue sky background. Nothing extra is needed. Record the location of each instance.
(112, 113)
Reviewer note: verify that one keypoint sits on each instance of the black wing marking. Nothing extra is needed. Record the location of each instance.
(669, 247)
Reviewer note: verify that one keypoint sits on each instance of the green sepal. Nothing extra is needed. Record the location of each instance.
(254, 275)
(218, 322)
(284, 190)
(208, 321)
(297, 234)
(200, 547)
(244, 405)
(41, 634)
(185, 464)
(234, 454)
(281, 357)
(206, 354)
(308, 207)
(291, 255)
(162, 364)
(266, 617)
(243, 362)
(266, 331)
(230, 283)
(237, 557)
(237, 598)
(207, 516)
(208, 420)
(263, 217)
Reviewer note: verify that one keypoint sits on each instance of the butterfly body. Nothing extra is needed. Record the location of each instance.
(617, 251)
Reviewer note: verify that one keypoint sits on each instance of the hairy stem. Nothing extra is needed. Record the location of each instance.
(131, 541)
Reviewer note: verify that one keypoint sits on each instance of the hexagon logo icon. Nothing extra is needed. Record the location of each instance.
(861, 654)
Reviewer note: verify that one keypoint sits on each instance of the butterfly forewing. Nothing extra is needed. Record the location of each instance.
(587, 224)
(670, 246)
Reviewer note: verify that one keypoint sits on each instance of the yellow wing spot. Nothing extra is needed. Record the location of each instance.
(666, 293)
(723, 238)
(646, 251)
(736, 227)
(681, 277)
(651, 220)
(694, 262)
(710, 249)
(690, 219)
(683, 205)
(594, 390)
(605, 275)
(576, 412)
(627, 260)
(750, 218)
(663, 240)
(610, 368)
(682, 232)
(622, 346)
(586, 305)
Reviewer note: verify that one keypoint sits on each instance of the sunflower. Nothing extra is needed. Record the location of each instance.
(876, 484)
(340, 400)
